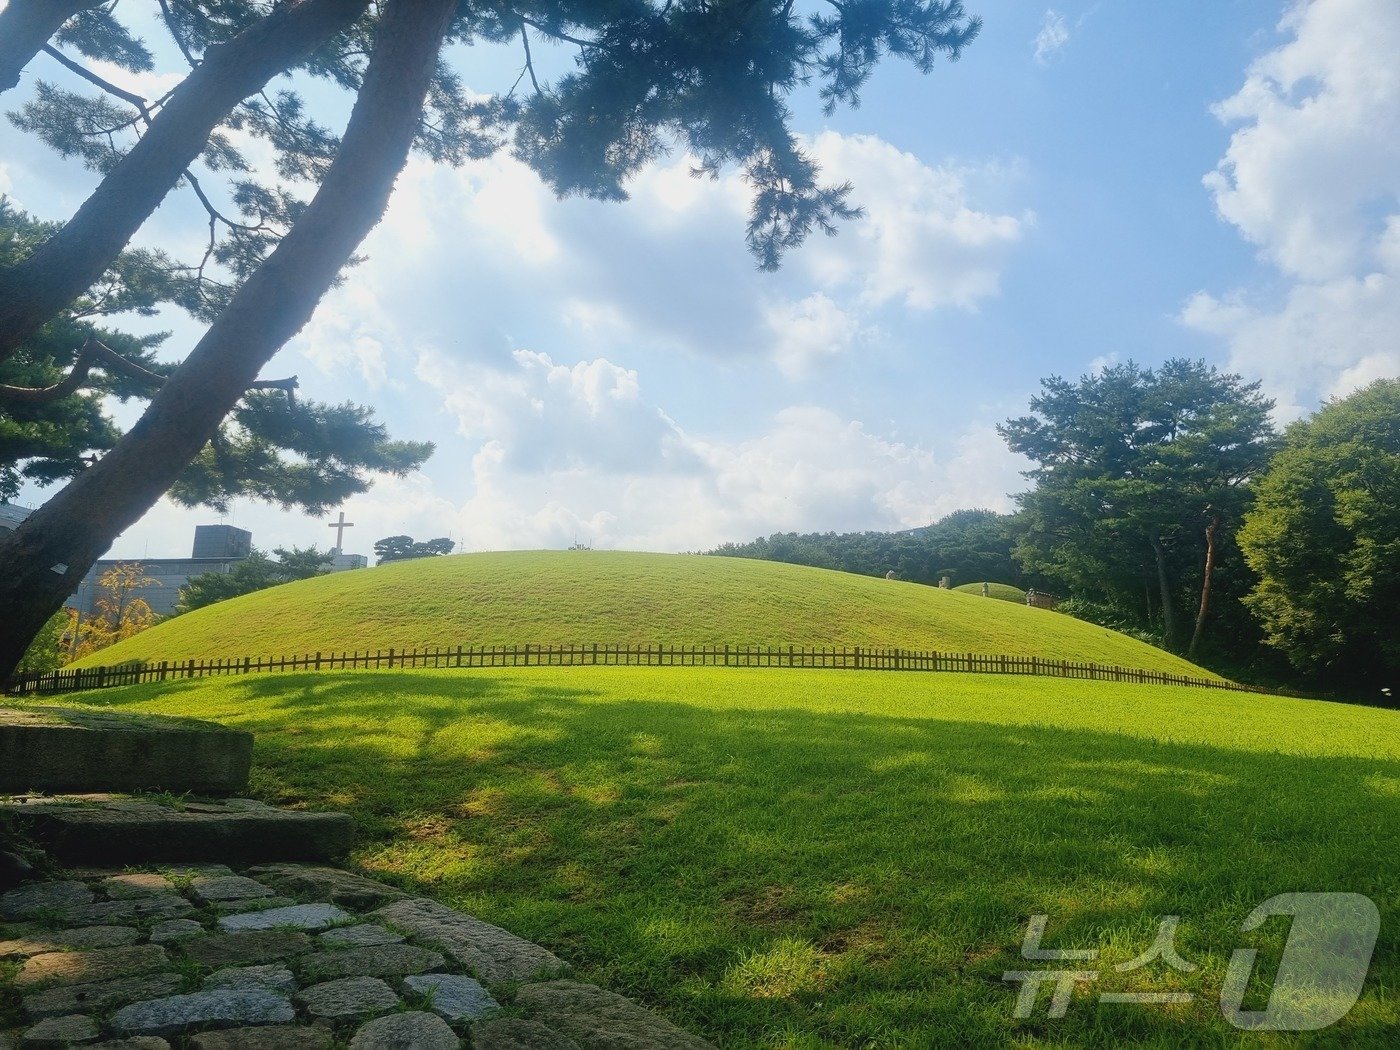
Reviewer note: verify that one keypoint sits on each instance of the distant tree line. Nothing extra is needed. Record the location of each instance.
(406, 548)
(968, 546)
(1164, 503)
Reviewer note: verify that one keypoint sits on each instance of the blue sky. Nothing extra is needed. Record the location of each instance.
(1094, 181)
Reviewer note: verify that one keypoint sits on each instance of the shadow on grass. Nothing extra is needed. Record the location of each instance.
(797, 878)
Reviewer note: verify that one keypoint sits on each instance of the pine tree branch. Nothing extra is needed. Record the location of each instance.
(96, 353)
(60, 270)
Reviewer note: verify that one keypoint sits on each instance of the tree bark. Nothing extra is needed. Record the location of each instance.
(67, 264)
(43, 561)
(1165, 587)
(25, 27)
(1204, 610)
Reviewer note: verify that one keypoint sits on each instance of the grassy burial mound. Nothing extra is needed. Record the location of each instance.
(848, 858)
(1003, 591)
(605, 597)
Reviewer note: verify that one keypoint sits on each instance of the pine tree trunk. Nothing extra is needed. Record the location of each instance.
(69, 262)
(25, 27)
(42, 562)
(1165, 587)
(1205, 588)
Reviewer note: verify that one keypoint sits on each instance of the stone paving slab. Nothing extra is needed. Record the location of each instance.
(410, 1031)
(452, 996)
(219, 1008)
(103, 995)
(380, 960)
(594, 1016)
(363, 936)
(348, 999)
(517, 1033)
(271, 1037)
(79, 967)
(248, 948)
(41, 897)
(412, 974)
(299, 916)
(493, 953)
(227, 888)
(39, 942)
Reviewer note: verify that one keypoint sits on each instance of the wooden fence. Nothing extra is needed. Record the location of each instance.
(853, 659)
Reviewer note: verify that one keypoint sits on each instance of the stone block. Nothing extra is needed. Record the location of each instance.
(296, 916)
(249, 948)
(452, 996)
(491, 952)
(381, 960)
(78, 967)
(65, 749)
(593, 1016)
(86, 834)
(220, 1008)
(410, 1031)
(100, 996)
(349, 999)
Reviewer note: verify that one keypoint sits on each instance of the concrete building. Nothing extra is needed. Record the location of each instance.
(11, 514)
(217, 548)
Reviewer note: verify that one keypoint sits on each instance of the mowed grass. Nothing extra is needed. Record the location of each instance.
(1003, 591)
(848, 859)
(604, 597)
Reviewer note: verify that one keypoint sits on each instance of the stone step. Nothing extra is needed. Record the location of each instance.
(114, 831)
(63, 749)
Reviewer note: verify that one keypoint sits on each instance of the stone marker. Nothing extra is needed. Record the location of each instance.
(299, 916)
(515, 1033)
(103, 995)
(380, 960)
(412, 1031)
(358, 937)
(354, 997)
(102, 964)
(220, 1008)
(596, 1017)
(251, 948)
(452, 996)
(61, 1031)
(493, 953)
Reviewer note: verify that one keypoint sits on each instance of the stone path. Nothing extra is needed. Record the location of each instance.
(286, 955)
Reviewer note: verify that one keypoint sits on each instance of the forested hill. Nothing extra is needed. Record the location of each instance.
(969, 546)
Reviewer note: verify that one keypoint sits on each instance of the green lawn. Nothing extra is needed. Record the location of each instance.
(553, 597)
(1003, 591)
(804, 858)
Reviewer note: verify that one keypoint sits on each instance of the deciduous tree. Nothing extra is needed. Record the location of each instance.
(1324, 538)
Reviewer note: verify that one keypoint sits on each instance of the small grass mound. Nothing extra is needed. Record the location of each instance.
(1001, 591)
(604, 597)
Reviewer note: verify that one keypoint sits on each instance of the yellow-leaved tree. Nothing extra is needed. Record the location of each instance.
(118, 613)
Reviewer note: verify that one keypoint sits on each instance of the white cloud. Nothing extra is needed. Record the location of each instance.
(810, 331)
(922, 241)
(1312, 177)
(1053, 36)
